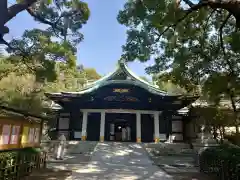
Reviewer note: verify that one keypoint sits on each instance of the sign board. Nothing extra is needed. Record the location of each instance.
(120, 90)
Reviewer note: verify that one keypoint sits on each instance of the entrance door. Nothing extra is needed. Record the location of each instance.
(120, 127)
(122, 132)
(147, 128)
(93, 127)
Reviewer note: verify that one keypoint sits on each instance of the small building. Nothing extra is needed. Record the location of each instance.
(122, 102)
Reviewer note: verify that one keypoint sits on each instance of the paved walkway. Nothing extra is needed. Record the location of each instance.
(124, 161)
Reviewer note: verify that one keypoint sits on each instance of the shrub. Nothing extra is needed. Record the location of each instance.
(222, 161)
(233, 138)
(18, 163)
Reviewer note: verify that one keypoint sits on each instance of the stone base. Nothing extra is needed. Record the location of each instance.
(84, 138)
(101, 138)
(157, 140)
(138, 140)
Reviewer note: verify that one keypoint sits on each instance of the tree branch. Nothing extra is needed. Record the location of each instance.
(188, 12)
(221, 33)
(17, 8)
(222, 43)
(189, 3)
(4, 11)
(41, 19)
(23, 54)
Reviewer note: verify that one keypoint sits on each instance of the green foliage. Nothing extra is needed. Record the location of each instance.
(12, 154)
(171, 88)
(188, 51)
(222, 161)
(39, 53)
(20, 88)
(197, 53)
(233, 138)
(18, 162)
(64, 18)
(91, 74)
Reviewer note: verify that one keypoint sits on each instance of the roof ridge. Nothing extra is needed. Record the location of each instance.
(141, 80)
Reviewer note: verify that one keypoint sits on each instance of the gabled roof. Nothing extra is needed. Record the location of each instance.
(128, 77)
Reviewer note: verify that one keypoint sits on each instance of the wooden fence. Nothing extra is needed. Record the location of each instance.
(20, 137)
(21, 165)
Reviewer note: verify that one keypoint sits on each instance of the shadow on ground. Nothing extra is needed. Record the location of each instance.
(179, 165)
(50, 174)
(125, 161)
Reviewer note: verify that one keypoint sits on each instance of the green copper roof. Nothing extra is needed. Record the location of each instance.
(131, 78)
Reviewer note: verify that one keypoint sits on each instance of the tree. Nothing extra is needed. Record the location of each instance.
(63, 17)
(39, 53)
(169, 86)
(168, 15)
(91, 74)
(200, 53)
(21, 90)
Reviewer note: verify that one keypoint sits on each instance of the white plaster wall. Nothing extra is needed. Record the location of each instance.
(63, 123)
(162, 137)
(177, 126)
(177, 137)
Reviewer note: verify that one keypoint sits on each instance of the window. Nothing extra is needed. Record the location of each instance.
(31, 135)
(36, 135)
(15, 134)
(6, 134)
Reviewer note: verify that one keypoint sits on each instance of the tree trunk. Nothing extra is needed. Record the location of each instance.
(232, 6)
(3, 15)
(221, 134)
(223, 130)
(215, 135)
(235, 113)
(7, 13)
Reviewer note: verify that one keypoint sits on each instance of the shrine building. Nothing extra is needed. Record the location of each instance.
(121, 100)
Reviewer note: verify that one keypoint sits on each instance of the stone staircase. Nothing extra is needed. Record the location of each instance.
(177, 159)
(172, 154)
(71, 148)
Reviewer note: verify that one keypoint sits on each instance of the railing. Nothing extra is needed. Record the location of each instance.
(20, 165)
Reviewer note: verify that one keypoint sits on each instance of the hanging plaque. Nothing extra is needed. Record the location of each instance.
(120, 90)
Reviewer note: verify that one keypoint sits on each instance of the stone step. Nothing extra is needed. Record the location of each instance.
(171, 149)
(74, 147)
(167, 145)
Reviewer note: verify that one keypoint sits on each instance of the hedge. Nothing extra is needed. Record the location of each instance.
(19, 163)
(222, 161)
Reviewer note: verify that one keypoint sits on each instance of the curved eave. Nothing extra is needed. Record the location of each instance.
(134, 76)
(106, 80)
(121, 66)
(187, 100)
(52, 95)
(97, 86)
(101, 80)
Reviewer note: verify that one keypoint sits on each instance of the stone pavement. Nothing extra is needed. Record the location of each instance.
(176, 160)
(125, 161)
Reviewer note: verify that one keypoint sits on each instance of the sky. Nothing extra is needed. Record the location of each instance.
(103, 36)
